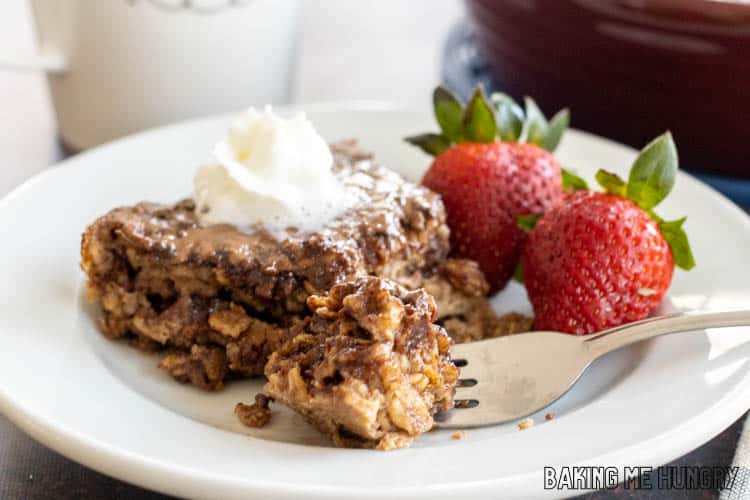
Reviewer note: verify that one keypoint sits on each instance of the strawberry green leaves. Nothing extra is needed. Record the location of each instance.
(508, 115)
(518, 273)
(432, 144)
(527, 222)
(473, 123)
(678, 241)
(557, 127)
(652, 177)
(487, 120)
(653, 174)
(537, 130)
(449, 113)
(535, 125)
(571, 182)
(612, 183)
(479, 119)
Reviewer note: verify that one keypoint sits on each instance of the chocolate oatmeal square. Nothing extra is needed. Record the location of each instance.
(165, 280)
(221, 299)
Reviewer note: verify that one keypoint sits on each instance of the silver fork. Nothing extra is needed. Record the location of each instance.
(509, 378)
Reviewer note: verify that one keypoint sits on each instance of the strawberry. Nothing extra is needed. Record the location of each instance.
(598, 260)
(492, 164)
(484, 187)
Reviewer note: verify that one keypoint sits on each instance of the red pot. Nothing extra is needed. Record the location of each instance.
(630, 69)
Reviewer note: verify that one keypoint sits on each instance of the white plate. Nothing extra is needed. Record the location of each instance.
(108, 407)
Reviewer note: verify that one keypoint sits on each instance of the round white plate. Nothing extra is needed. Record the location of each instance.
(107, 406)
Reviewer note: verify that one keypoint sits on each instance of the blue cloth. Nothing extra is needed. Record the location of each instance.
(738, 483)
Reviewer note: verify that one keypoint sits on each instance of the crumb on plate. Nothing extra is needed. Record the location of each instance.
(255, 415)
(525, 423)
(457, 435)
(549, 416)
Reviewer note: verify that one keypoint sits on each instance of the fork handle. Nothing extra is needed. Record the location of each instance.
(620, 336)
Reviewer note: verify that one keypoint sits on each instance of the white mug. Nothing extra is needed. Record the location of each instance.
(118, 66)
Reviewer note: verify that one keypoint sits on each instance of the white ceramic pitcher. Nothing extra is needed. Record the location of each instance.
(118, 66)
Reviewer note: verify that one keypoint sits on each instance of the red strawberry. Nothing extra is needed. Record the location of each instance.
(599, 260)
(485, 184)
(484, 188)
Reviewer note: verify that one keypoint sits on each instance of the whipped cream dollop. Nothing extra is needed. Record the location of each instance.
(270, 171)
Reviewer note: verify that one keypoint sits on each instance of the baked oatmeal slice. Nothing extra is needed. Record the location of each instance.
(369, 368)
(220, 299)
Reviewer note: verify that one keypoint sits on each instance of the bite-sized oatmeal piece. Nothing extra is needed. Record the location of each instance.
(255, 415)
(369, 368)
(460, 290)
(484, 323)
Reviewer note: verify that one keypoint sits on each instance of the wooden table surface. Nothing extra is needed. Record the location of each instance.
(28, 145)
